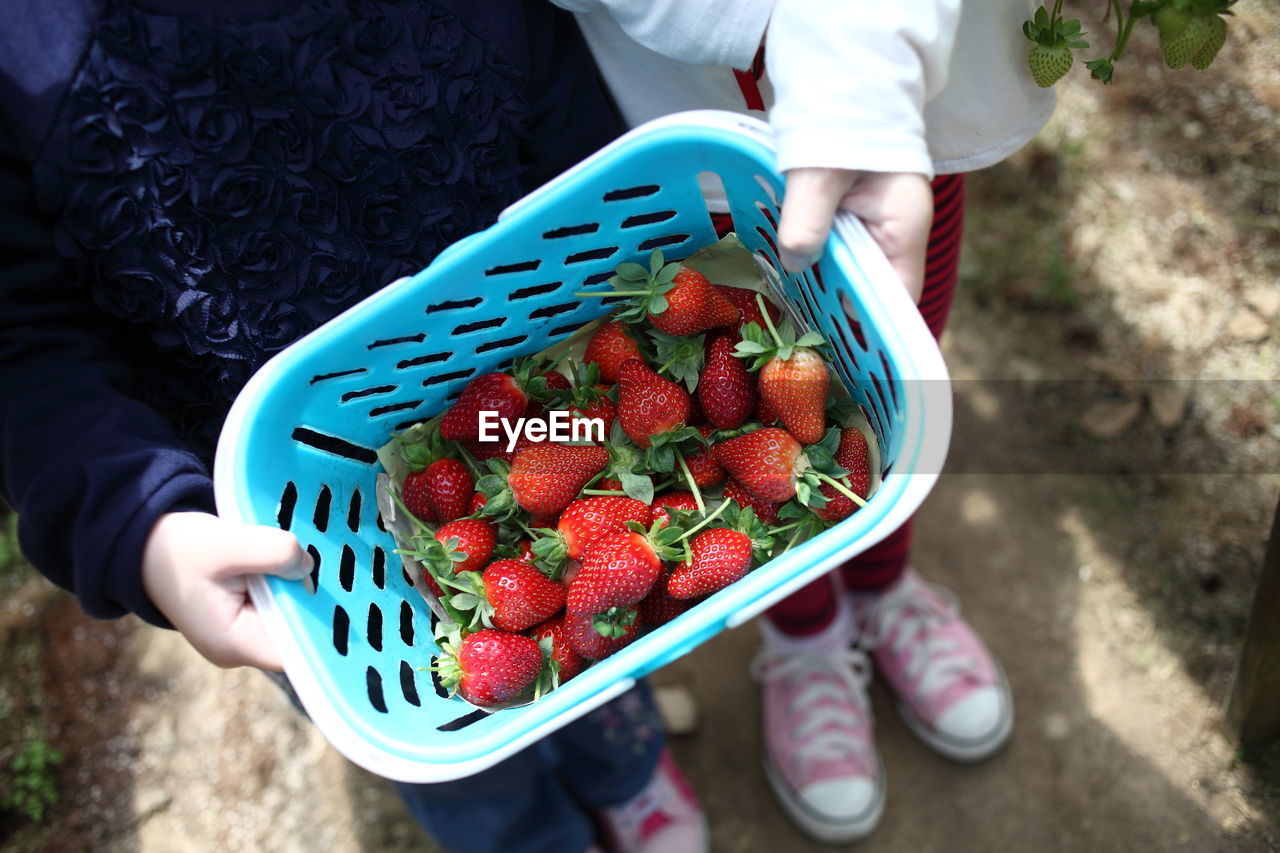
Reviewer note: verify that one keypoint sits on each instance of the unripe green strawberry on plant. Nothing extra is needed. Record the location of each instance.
(510, 595)
(1183, 44)
(794, 378)
(489, 666)
(1050, 57)
(676, 299)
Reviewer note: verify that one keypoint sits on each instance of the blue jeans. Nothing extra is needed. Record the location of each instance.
(540, 800)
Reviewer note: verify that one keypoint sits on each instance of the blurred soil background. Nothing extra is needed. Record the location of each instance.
(1102, 524)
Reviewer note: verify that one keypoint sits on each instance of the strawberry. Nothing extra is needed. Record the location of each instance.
(763, 462)
(1213, 42)
(586, 520)
(448, 489)
(672, 500)
(649, 404)
(473, 538)
(609, 347)
(553, 637)
(677, 300)
(725, 390)
(619, 569)
(1049, 63)
(510, 595)
(703, 467)
(587, 641)
(851, 454)
(766, 511)
(794, 378)
(659, 607)
(600, 408)
(489, 392)
(414, 491)
(771, 465)
(1182, 44)
(546, 477)
(745, 300)
(477, 502)
(489, 666)
(765, 413)
(719, 557)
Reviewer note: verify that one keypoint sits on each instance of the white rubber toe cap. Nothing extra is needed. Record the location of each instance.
(975, 717)
(840, 799)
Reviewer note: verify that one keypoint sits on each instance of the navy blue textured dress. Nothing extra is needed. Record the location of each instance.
(183, 195)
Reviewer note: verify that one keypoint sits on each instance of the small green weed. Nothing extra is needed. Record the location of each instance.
(31, 780)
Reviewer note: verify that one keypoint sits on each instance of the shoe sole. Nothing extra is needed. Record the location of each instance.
(965, 751)
(817, 827)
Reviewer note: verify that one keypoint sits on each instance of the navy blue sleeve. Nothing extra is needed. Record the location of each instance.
(572, 114)
(88, 468)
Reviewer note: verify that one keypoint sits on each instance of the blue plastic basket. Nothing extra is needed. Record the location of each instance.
(298, 448)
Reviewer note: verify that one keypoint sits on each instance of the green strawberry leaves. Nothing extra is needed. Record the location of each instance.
(761, 347)
(645, 287)
(500, 502)
(680, 358)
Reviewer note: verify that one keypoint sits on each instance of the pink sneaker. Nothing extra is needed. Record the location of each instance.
(819, 757)
(665, 817)
(951, 691)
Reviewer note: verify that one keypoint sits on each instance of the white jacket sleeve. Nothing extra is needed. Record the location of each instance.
(705, 32)
(851, 78)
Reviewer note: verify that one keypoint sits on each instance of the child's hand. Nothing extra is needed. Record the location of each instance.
(896, 207)
(195, 568)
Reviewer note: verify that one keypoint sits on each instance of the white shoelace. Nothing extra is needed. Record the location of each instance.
(912, 613)
(842, 676)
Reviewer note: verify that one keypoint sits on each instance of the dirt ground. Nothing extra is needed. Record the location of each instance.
(1102, 525)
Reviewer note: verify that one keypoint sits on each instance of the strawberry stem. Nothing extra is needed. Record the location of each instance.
(603, 492)
(701, 524)
(399, 502)
(526, 529)
(791, 543)
(693, 486)
(768, 321)
(841, 488)
(785, 528)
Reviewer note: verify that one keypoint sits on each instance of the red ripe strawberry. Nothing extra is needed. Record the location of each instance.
(726, 390)
(571, 569)
(617, 571)
(475, 537)
(414, 492)
(584, 639)
(609, 347)
(490, 666)
(489, 392)
(477, 502)
(796, 388)
(555, 635)
(659, 608)
(588, 519)
(766, 511)
(763, 462)
(520, 595)
(546, 477)
(602, 409)
(557, 381)
(672, 500)
(649, 404)
(765, 413)
(851, 454)
(694, 305)
(704, 468)
(745, 300)
(719, 557)
(525, 549)
(447, 487)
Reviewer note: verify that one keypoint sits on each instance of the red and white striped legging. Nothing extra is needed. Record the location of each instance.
(813, 607)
